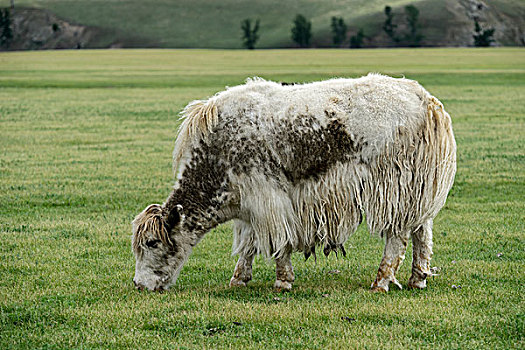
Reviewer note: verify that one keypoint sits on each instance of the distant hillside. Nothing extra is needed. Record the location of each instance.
(216, 24)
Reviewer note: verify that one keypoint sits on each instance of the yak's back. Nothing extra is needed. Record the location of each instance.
(370, 110)
(322, 122)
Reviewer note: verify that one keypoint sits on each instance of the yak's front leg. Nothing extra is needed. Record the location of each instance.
(243, 271)
(284, 271)
(243, 244)
(393, 256)
(422, 253)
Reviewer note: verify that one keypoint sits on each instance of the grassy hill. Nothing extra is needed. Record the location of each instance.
(213, 24)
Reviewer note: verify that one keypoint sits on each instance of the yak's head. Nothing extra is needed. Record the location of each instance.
(160, 247)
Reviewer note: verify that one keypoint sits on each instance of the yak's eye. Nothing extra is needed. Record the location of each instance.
(153, 244)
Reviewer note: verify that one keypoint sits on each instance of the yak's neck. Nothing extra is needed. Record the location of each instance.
(203, 193)
(200, 216)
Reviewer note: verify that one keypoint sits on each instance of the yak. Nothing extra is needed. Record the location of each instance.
(297, 167)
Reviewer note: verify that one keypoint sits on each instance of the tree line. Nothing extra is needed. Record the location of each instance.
(411, 36)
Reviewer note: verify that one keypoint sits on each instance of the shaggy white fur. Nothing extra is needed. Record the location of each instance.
(407, 169)
(396, 167)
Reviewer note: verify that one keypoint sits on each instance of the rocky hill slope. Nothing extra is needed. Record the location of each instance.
(37, 29)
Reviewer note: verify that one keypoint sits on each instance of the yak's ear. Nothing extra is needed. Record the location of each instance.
(174, 217)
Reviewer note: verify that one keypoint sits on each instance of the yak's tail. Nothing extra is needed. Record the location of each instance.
(441, 143)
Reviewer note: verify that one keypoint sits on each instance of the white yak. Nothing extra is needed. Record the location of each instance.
(296, 167)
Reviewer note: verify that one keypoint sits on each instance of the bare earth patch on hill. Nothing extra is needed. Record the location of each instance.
(39, 29)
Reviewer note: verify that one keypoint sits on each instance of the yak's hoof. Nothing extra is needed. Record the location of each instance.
(379, 289)
(420, 284)
(380, 286)
(237, 283)
(282, 285)
(383, 285)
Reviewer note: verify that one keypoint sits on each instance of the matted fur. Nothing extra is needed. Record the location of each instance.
(299, 166)
(404, 183)
(411, 179)
(149, 221)
(198, 119)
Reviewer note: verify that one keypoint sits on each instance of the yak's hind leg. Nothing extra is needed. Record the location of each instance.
(245, 246)
(422, 253)
(243, 271)
(393, 256)
(284, 271)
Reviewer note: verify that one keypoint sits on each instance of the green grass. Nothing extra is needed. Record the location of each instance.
(86, 141)
(217, 24)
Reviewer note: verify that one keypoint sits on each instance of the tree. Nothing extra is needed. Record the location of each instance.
(389, 27)
(338, 30)
(249, 35)
(482, 38)
(412, 15)
(6, 33)
(302, 31)
(356, 41)
(12, 4)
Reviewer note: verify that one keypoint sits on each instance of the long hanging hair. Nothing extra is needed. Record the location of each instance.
(198, 119)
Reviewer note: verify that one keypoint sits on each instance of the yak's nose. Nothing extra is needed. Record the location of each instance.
(138, 285)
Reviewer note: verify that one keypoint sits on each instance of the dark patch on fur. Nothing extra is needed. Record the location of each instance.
(247, 153)
(200, 187)
(314, 152)
(172, 218)
(153, 243)
(303, 149)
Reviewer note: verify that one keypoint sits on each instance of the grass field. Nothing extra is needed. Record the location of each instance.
(86, 141)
